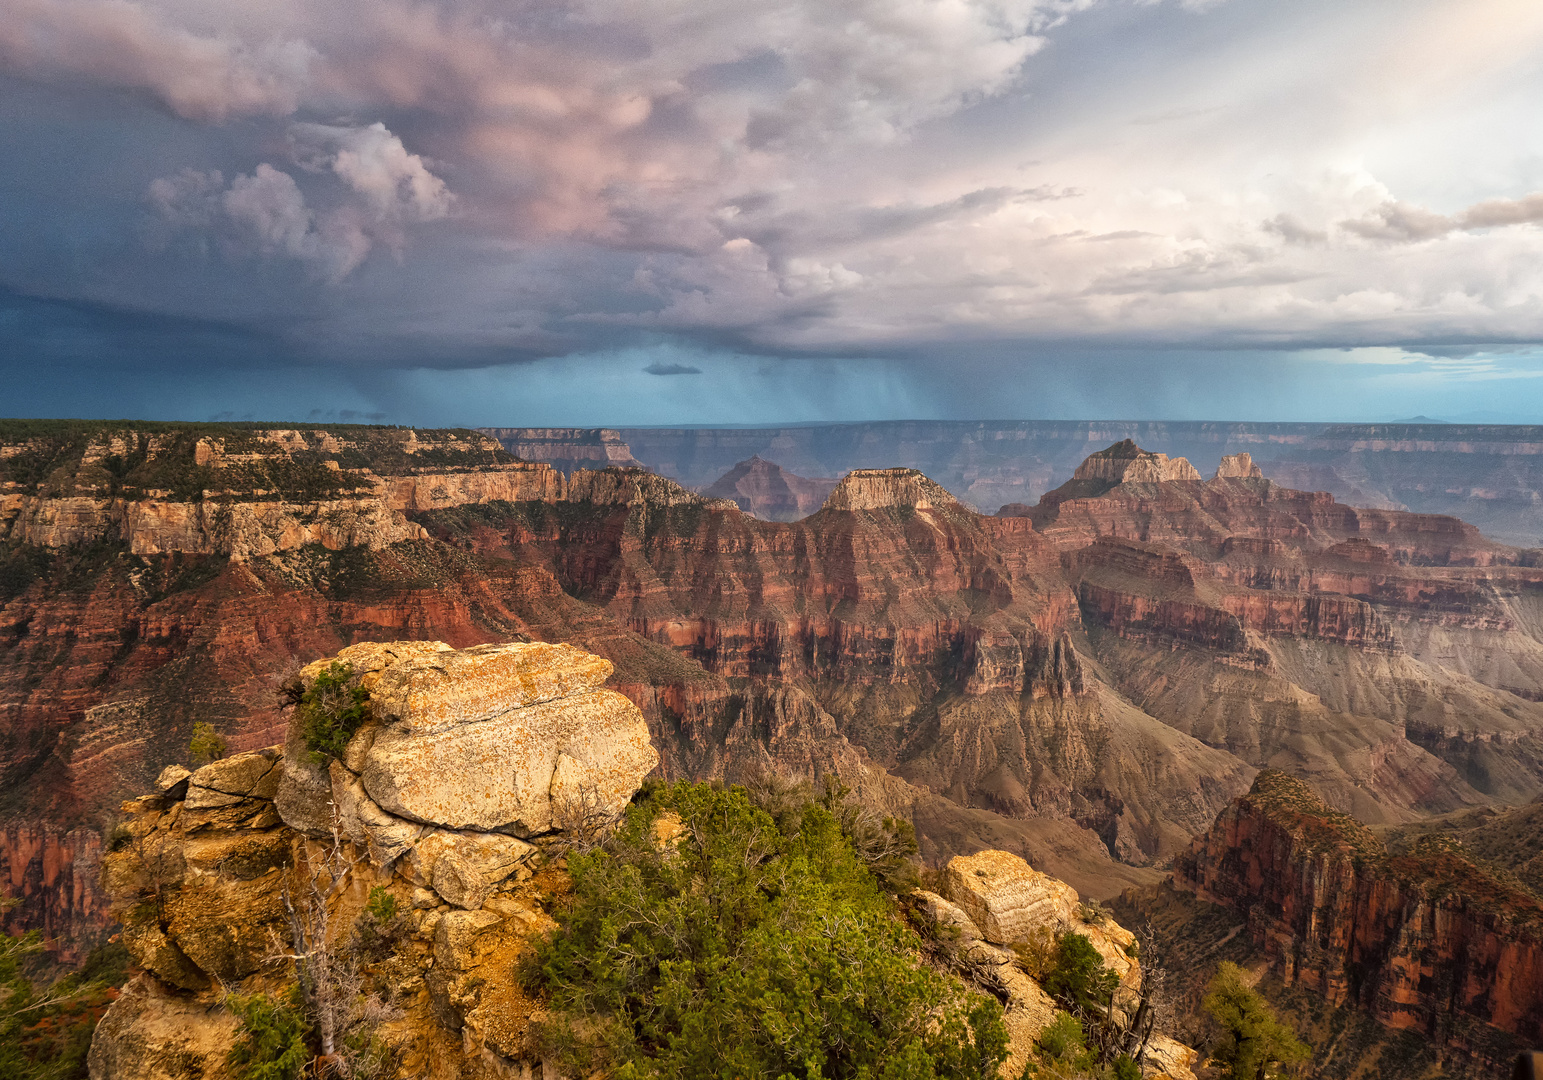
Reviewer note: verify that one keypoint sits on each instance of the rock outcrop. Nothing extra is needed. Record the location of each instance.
(888, 489)
(1238, 467)
(1428, 941)
(209, 875)
(1127, 463)
(998, 901)
(497, 743)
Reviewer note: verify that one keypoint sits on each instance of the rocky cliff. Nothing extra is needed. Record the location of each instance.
(401, 874)
(1290, 628)
(471, 764)
(1428, 940)
(245, 490)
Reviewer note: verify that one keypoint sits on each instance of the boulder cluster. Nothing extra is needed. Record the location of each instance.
(1001, 905)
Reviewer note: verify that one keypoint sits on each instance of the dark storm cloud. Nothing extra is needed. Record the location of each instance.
(660, 368)
(338, 199)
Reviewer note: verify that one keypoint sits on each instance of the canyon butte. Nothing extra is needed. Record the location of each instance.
(1097, 683)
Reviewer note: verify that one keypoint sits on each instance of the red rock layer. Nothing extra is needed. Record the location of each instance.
(1428, 941)
(1202, 516)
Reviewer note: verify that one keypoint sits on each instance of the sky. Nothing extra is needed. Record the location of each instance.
(504, 212)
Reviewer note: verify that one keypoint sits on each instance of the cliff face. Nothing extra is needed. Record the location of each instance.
(1428, 941)
(1281, 624)
(250, 491)
(447, 801)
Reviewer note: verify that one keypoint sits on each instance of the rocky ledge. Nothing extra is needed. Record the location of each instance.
(1430, 941)
(449, 799)
(1000, 907)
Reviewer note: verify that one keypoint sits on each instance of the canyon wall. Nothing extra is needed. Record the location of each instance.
(1429, 940)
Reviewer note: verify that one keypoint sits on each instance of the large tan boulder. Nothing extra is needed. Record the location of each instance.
(505, 738)
(153, 1033)
(1168, 1059)
(437, 691)
(465, 867)
(463, 751)
(517, 771)
(231, 780)
(1009, 900)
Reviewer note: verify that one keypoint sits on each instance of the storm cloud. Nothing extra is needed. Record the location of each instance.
(376, 187)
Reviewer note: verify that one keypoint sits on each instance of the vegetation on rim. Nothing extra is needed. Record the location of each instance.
(711, 936)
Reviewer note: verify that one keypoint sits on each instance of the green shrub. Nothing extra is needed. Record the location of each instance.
(332, 710)
(747, 950)
(1254, 1043)
(1125, 1069)
(379, 926)
(1079, 982)
(1062, 1038)
(382, 905)
(206, 745)
(271, 1041)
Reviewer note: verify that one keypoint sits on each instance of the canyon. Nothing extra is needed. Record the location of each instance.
(408, 880)
(1086, 682)
(1490, 475)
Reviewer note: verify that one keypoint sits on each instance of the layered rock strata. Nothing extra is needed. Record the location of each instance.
(1428, 941)
(208, 874)
(466, 755)
(1127, 463)
(998, 684)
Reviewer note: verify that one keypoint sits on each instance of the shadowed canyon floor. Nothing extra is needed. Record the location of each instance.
(1087, 682)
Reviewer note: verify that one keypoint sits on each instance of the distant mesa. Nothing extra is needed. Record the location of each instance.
(566, 449)
(1127, 463)
(889, 489)
(765, 490)
(1238, 467)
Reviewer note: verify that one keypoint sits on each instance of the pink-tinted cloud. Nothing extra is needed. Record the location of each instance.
(265, 212)
(199, 72)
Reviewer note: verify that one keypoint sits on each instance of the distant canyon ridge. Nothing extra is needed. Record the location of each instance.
(1490, 475)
